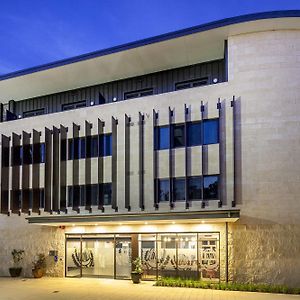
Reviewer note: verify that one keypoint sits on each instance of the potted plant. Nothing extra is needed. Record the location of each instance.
(136, 274)
(16, 270)
(39, 266)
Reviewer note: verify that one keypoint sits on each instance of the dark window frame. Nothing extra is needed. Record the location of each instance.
(191, 83)
(138, 93)
(73, 105)
(34, 112)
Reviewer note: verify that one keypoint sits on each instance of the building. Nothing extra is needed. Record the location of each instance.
(197, 172)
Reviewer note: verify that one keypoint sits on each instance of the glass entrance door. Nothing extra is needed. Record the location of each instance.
(73, 257)
(123, 257)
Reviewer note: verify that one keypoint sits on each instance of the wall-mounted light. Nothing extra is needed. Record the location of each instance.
(114, 99)
(215, 80)
(92, 103)
(19, 116)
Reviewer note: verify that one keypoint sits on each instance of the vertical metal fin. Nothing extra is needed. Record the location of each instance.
(114, 163)
(127, 162)
(27, 152)
(36, 156)
(48, 170)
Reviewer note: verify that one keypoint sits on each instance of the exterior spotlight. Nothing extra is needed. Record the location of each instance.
(114, 99)
(215, 80)
(19, 116)
(92, 103)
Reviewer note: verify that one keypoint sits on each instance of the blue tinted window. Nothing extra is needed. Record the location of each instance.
(193, 134)
(105, 146)
(210, 187)
(163, 190)
(162, 137)
(210, 131)
(194, 187)
(42, 152)
(94, 146)
(178, 189)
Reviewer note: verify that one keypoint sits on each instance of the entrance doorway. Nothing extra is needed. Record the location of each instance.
(107, 256)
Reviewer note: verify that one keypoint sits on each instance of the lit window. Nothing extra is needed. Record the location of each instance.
(163, 190)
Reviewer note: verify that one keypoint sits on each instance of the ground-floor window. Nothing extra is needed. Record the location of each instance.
(186, 255)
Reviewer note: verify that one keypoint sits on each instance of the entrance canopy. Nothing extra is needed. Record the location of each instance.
(214, 216)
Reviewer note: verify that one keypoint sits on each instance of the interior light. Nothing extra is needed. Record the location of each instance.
(73, 225)
(120, 223)
(202, 222)
(146, 223)
(96, 224)
(173, 222)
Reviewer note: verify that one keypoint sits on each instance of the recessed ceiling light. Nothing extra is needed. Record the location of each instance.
(173, 222)
(146, 223)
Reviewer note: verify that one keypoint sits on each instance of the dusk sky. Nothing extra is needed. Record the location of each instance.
(39, 32)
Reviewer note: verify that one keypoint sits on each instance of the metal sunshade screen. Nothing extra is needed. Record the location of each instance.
(4, 173)
(88, 163)
(100, 166)
(114, 163)
(186, 171)
(26, 201)
(55, 172)
(48, 170)
(141, 160)
(127, 162)
(36, 155)
(63, 167)
(15, 174)
(76, 154)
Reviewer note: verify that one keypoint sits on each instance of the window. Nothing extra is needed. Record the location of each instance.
(16, 155)
(107, 193)
(211, 131)
(74, 105)
(105, 145)
(27, 154)
(193, 134)
(194, 188)
(210, 187)
(40, 149)
(32, 113)
(94, 146)
(138, 93)
(163, 190)
(191, 83)
(178, 135)
(178, 189)
(162, 137)
(82, 147)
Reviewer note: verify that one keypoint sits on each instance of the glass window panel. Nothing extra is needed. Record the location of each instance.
(82, 147)
(94, 149)
(71, 149)
(167, 265)
(211, 131)
(187, 255)
(163, 190)
(76, 148)
(208, 259)
(210, 187)
(162, 137)
(107, 193)
(73, 258)
(194, 187)
(107, 144)
(178, 136)
(179, 189)
(148, 254)
(193, 134)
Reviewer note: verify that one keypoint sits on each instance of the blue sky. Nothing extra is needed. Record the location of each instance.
(35, 32)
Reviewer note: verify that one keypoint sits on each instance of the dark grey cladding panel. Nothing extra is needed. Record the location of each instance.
(75, 188)
(63, 167)
(5, 145)
(127, 162)
(161, 82)
(36, 135)
(48, 170)
(55, 172)
(88, 164)
(141, 160)
(114, 124)
(100, 165)
(25, 174)
(15, 174)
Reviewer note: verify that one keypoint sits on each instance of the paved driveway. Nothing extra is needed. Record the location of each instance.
(106, 289)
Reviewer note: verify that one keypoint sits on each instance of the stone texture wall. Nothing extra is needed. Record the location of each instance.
(265, 254)
(16, 233)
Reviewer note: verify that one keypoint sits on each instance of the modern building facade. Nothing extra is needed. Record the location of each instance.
(181, 149)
